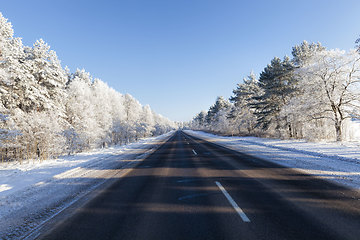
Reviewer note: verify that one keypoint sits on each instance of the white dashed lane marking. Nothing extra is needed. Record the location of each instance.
(233, 203)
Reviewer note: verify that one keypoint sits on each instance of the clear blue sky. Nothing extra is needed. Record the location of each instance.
(178, 55)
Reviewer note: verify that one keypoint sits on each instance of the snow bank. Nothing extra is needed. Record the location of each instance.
(32, 193)
(338, 162)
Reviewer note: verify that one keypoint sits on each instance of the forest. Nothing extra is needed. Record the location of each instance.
(312, 95)
(47, 111)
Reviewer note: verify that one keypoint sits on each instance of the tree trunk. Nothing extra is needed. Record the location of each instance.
(338, 131)
(338, 122)
(290, 130)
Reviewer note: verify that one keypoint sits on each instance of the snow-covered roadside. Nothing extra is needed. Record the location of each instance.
(31, 193)
(338, 162)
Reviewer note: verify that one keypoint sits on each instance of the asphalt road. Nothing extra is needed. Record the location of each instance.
(193, 189)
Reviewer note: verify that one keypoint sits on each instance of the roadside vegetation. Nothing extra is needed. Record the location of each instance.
(47, 111)
(313, 95)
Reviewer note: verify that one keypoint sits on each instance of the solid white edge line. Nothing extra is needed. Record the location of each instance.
(194, 152)
(233, 203)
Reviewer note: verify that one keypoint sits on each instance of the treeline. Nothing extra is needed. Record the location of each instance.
(46, 111)
(313, 95)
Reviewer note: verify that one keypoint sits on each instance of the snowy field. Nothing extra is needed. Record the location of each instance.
(33, 193)
(338, 162)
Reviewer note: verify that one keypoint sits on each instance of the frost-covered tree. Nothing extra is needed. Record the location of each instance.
(330, 87)
(278, 86)
(28, 88)
(217, 113)
(301, 56)
(199, 122)
(14, 75)
(73, 141)
(132, 108)
(49, 75)
(117, 116)
(7, 136)
(303, 52)
(41, 134)
(133, 111)
(219, 105)
(101, 100)
(242, 114)
(80, 110)
(147, 124)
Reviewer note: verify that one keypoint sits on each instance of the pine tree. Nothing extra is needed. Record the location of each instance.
(220, 104)
(278, 85)
(199, 121)
(242, 115)
(216, 111)
(303, 52)
(14, 76)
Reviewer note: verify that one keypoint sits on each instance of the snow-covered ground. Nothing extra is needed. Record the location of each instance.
(338, 162)
(33, 193)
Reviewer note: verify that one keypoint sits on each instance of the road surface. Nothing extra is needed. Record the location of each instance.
(193, 189)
